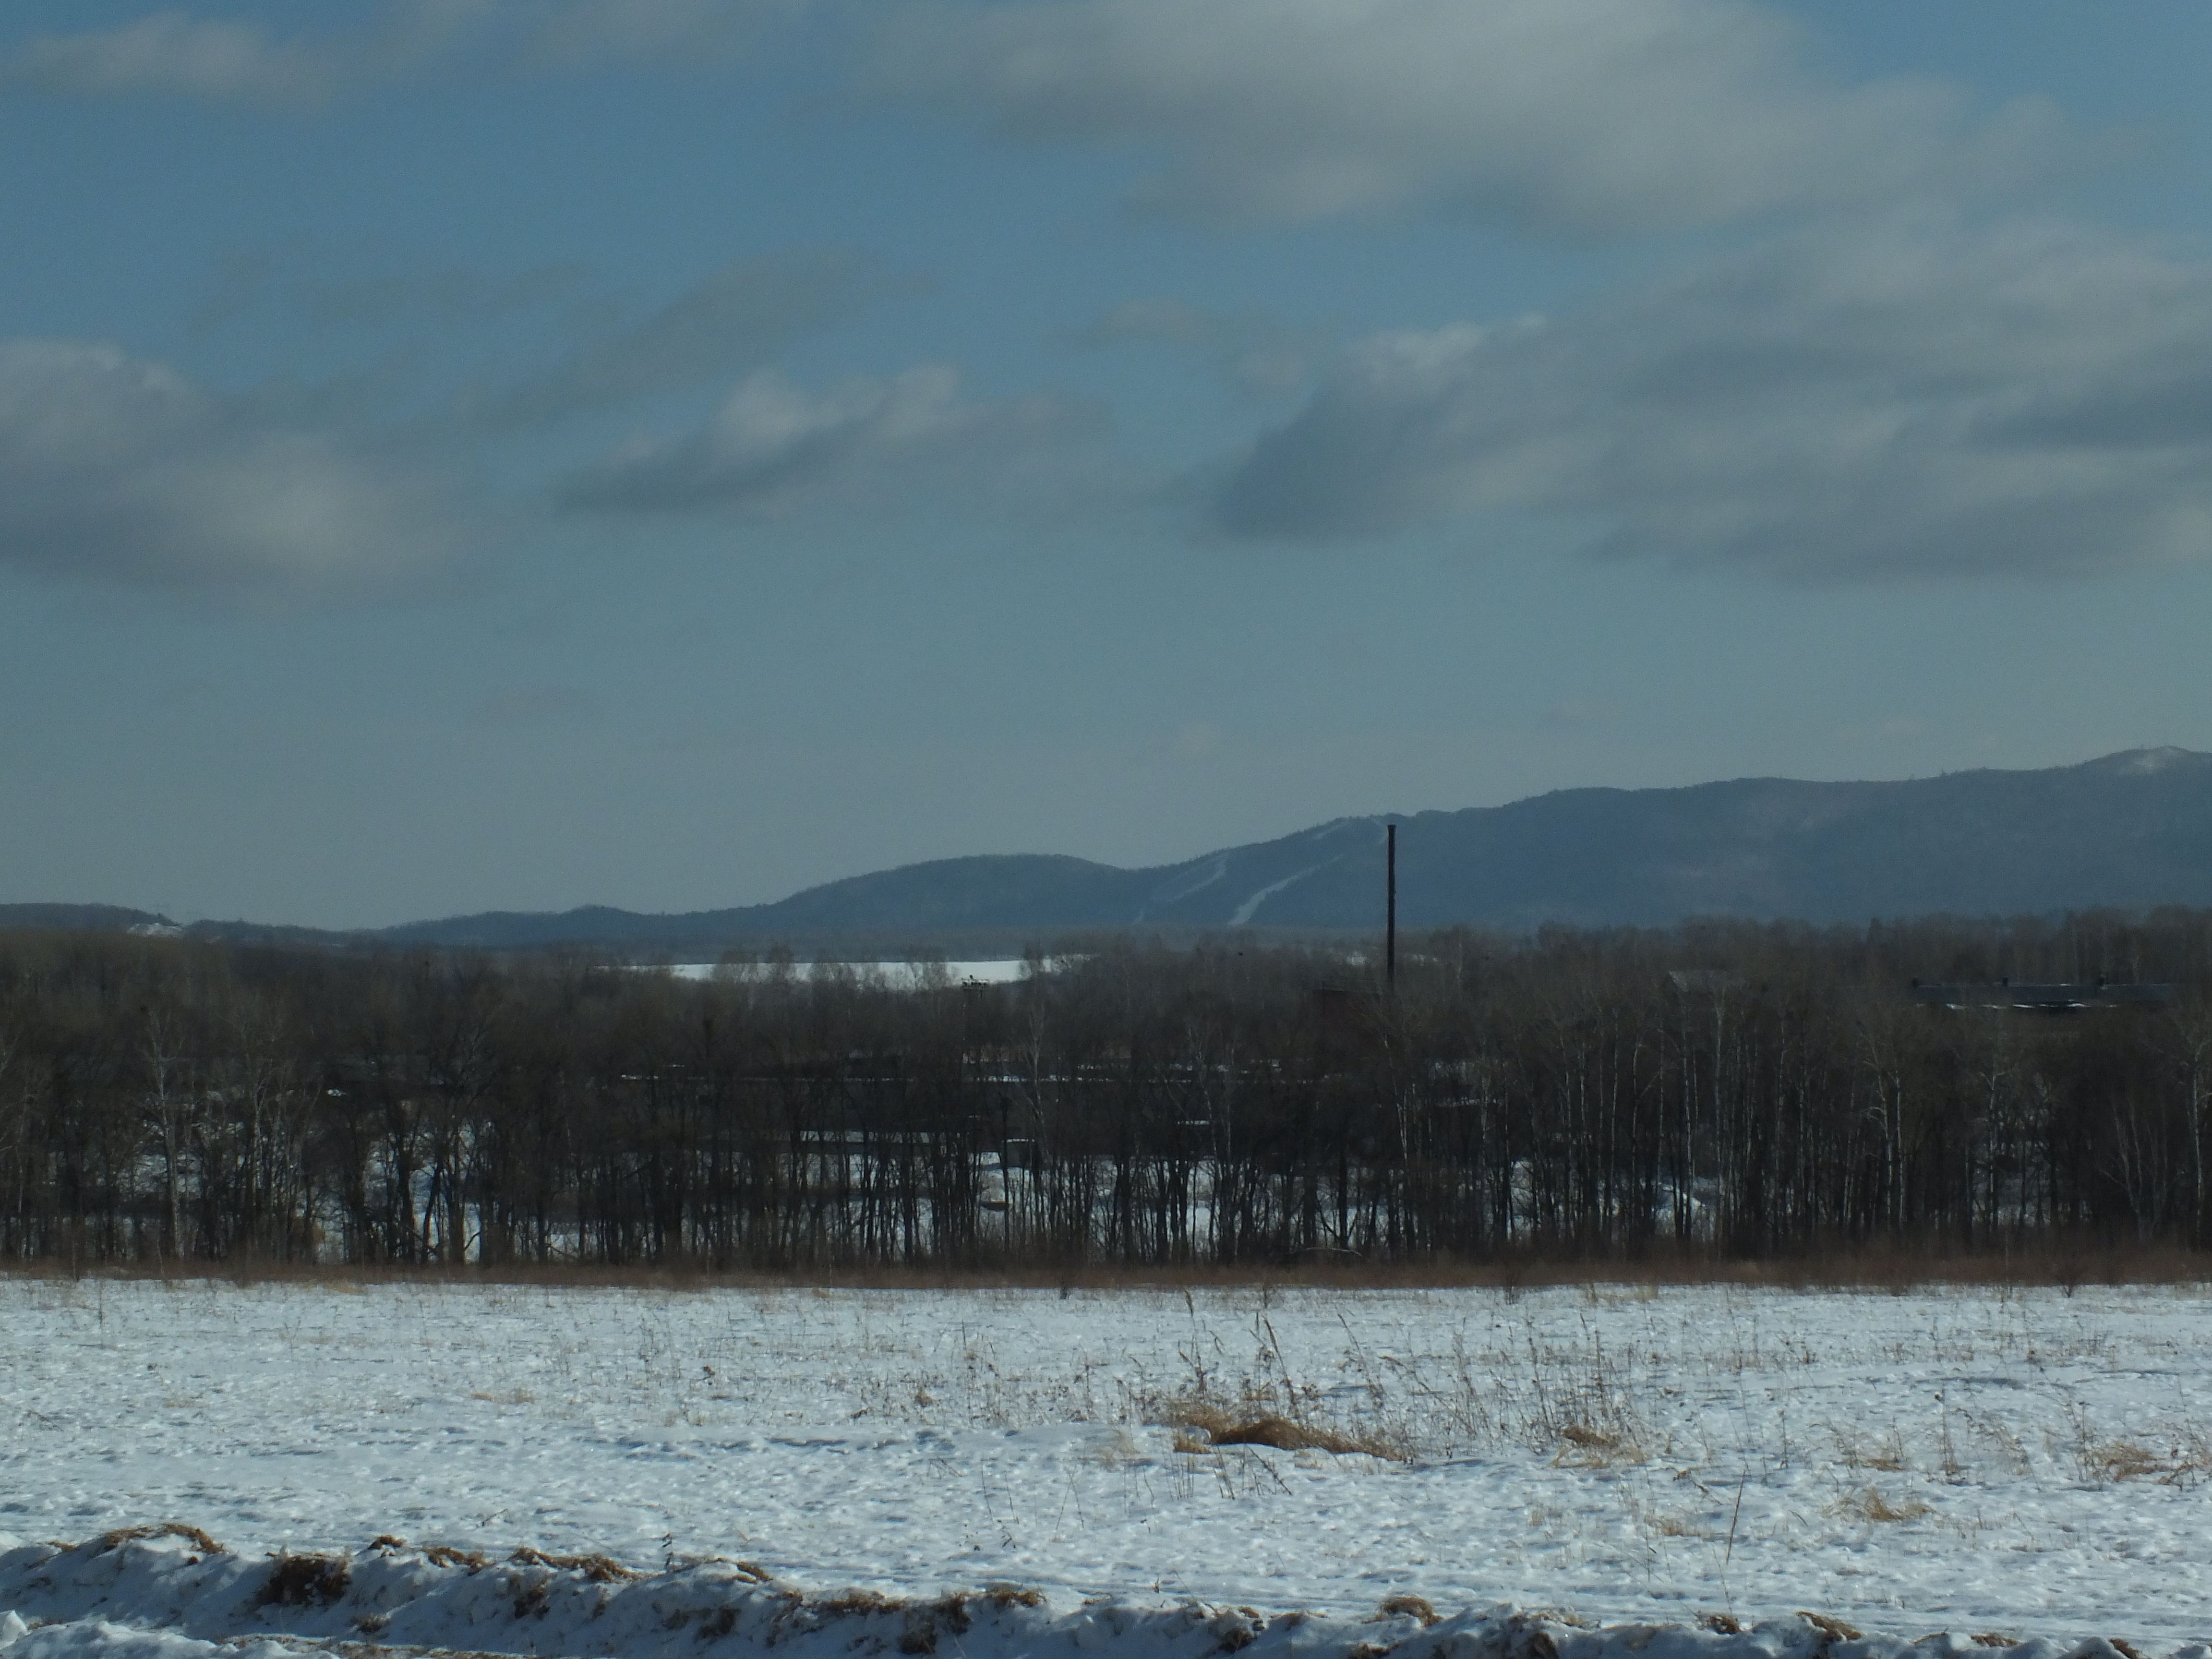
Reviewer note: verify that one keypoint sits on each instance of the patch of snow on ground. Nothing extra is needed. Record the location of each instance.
(2028, 1463)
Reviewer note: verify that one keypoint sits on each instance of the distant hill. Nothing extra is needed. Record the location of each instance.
(2131, 830)
(107, 917)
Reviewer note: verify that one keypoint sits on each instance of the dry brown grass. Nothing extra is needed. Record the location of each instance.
(599, 1569)
(532, 1598)
(122, 1535)
(1908, 1265)
(855, 1604)
(1407, 1607)
(446, 1555)
(923, 1623)
(1223, 1428)
(1584, 1447)
(306, 1580)
(1834, 1629)
(2108, 1462)
(1867, 1503)
(1885, 1456)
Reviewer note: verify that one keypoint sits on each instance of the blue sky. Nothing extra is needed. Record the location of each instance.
(461, 454)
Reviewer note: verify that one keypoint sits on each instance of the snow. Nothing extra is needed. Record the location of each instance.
(2024, 1462)
(1243, 913)
(180, 1601)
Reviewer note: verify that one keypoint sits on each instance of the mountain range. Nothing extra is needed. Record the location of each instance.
(2131, 830)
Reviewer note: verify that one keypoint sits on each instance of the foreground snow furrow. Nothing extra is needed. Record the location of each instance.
(163, 1593)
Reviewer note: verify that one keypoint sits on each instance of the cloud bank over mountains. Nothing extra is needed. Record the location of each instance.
(1875, 348)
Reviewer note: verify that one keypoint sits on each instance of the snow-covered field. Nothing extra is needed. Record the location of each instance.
(1983, 1463)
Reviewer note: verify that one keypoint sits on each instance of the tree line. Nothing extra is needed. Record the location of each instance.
(1729, 1089)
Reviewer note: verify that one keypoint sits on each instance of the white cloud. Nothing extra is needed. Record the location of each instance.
(774, 445)
(1911, 397)
(113, 467)
(176, 53)
(1587, 116)
(171, 52)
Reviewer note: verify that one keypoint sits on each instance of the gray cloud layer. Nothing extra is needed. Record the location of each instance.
(1588, 117)
(1900, 400)
(774, 446)
(1582, 117)
(1254, 355)
(115, 468)
(733, 320)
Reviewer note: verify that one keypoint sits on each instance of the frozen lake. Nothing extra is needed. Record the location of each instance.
(900, 975)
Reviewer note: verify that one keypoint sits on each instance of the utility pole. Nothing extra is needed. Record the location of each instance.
(1390, 911)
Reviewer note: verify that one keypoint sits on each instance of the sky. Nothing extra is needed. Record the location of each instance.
(472, 455)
